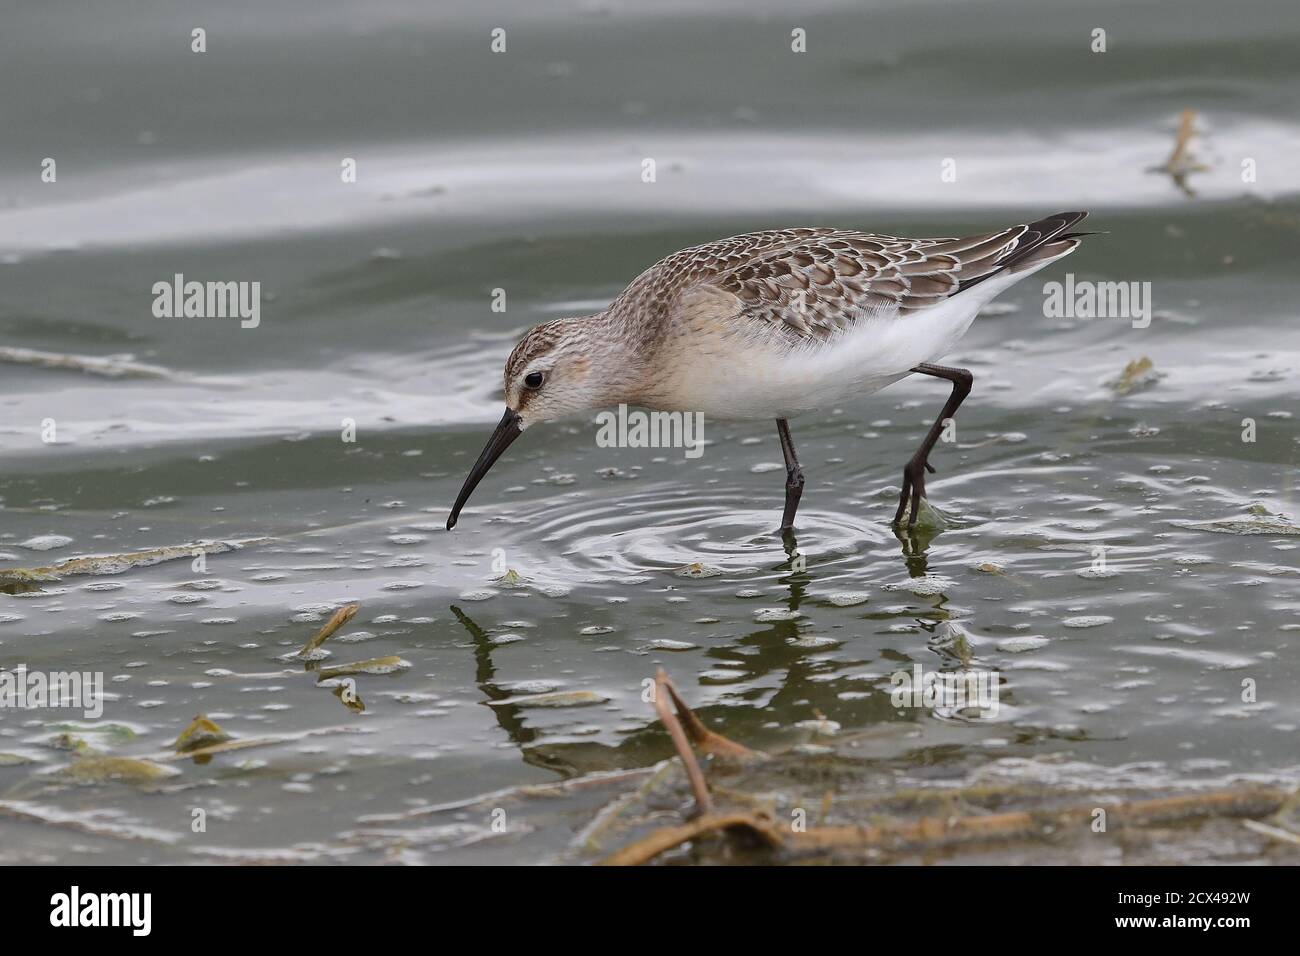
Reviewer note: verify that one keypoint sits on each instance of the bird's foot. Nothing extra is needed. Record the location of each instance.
(909, 499)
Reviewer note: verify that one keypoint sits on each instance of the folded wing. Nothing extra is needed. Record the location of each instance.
(810, 284)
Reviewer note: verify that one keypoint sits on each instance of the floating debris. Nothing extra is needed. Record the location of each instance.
(929, 585)
(118, 563)
(511, 579)
(232, 745)
(1256, 524)
(849, 598)
(130, 770)
(1018, 645)
(697, 570)
(954, 641)
(341, 617)
(374, 666)
(1181, 162)
(349, 698)
(72, 743)
(820, 727)
(539, 686)
(407, 539)
(769, 614)
(1137, 375)
(46, 542)
(1097, 573)
(1094, 620)
(812, 643)
(562, 698)
(722, 675)
(108, 732)
(202, 732)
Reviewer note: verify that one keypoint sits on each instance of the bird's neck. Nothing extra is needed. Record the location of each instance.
(623, 354)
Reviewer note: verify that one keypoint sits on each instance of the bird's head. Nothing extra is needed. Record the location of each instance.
(559, 368)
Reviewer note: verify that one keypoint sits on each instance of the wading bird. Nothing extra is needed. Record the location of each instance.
(773, 325)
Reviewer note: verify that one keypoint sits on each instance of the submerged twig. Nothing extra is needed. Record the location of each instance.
(230, 745)
(703, 802)
(927, 833)
(701, 736)
(117, 563)
(939, 832)
(667, 838)
(1181, 162)
(1276, 833)
(339, 618)
(1186, 130)
(374, 665)
(684, 727)
(934, 833)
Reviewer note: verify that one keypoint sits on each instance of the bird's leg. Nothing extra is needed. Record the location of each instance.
(793, 476)
(914, 471)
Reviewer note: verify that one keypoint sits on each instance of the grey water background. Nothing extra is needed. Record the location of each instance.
(522, 171)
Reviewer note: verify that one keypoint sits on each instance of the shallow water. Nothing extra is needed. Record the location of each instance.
(522, 172)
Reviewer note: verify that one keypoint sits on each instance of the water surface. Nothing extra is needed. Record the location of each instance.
(522, 172)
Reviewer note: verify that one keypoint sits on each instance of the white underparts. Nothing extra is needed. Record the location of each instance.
(768, 379)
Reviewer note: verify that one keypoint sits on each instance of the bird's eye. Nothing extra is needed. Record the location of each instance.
(534, 379)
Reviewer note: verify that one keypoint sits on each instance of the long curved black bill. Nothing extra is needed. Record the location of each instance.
(506, 432)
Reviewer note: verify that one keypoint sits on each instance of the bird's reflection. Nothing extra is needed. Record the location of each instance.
(785, 671)
(915, 544)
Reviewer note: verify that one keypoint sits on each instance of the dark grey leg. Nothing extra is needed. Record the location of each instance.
(793, 475)
(914, 471)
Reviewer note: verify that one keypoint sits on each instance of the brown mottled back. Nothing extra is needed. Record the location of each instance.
(809, 283)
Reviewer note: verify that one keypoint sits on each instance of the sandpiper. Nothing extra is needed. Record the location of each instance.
(772, 325)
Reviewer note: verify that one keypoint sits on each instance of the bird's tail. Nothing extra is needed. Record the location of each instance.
(1042, 241)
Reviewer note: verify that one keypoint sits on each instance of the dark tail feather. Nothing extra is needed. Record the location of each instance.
(1050, 230)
